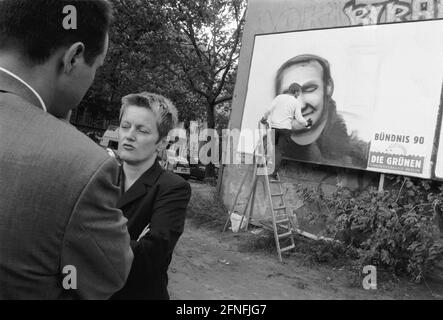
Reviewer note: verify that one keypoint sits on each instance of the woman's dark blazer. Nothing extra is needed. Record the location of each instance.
(160, 198)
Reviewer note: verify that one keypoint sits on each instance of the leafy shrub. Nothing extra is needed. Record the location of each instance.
(395, 229)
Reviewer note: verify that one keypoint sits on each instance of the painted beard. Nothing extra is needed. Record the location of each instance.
(323, 117)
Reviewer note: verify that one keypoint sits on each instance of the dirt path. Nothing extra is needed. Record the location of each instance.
(209, 265)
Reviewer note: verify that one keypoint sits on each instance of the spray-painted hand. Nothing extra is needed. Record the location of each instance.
(295, 89)
(298, 111)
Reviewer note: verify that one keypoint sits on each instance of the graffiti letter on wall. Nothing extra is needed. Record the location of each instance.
(423, 9)
(396, 11)
(363, 14)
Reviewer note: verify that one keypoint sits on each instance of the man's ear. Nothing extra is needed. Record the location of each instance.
(330, 88)
(73, 55)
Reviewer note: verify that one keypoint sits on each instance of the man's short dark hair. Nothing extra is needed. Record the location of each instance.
(35, 27)
(301, 59)
(293, 89)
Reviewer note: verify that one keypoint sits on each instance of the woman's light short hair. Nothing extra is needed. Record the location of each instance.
(165, 112)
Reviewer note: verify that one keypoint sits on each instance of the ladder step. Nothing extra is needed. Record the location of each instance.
(282, 221)
(277, 195)
(285, 235)
(285, 227)
(279, 208)
(288, 248)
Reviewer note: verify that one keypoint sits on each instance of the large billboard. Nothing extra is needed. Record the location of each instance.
(372, 93)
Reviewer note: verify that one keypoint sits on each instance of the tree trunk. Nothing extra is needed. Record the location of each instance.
(211, 115)
(210, 168)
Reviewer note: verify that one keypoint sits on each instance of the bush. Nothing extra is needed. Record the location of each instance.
(395, 229)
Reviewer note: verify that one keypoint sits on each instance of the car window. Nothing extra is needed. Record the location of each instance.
(113, 145)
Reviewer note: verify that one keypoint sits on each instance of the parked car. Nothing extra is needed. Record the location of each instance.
(110, 138)
(177, 164)
(198, 171)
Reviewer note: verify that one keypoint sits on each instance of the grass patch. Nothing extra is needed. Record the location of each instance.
(205, 209)
(264, 241)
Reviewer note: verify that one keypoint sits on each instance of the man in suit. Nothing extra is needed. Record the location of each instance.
(61, 236)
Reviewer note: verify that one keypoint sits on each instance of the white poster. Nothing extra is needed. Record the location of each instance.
(371, 94)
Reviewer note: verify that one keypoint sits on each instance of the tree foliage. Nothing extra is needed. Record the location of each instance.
(398, 229)
(186, 50)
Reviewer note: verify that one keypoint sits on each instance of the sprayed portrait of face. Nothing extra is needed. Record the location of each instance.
(312, 74)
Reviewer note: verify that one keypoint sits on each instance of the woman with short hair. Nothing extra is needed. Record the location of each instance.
(153, 200)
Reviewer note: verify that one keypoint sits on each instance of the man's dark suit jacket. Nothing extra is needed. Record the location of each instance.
(58, 196)
(160, 198)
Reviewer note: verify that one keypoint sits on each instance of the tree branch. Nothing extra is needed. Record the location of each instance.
(231, 54)
(223, 99)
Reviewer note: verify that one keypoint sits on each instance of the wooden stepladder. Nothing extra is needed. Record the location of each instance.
(281, 221)
(281, 224)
